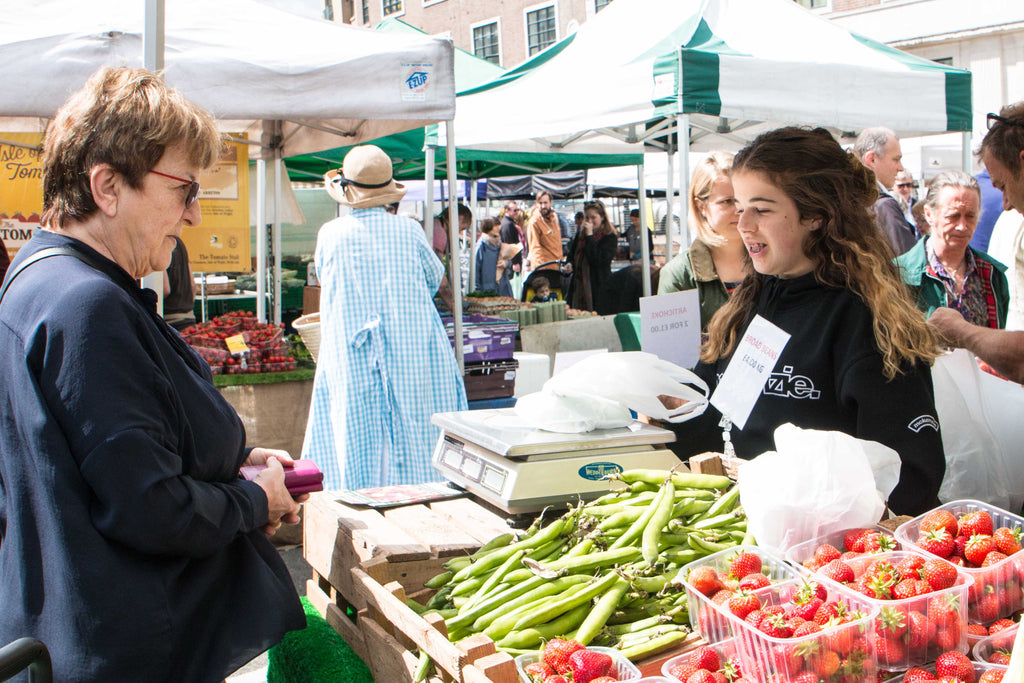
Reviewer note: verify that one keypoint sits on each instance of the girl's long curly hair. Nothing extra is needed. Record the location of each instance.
(827, 183)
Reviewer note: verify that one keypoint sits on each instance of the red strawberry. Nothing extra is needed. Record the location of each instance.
(978, 546)
(557, 678)
(557, 652)
(705, 580)
(745, 563)
(837, 570)
(839, 639)
(910, 567)
(806, 677)
(722, 597)
(954, 665)
(806, 628)
(681, 670)
(825, 664)
(987, 607)
(939, 574)
(1000, 624)
(977, 630)
(920, 630)
(852, 540)
(959, 543)
(876, 542)
(994, 557)
(705, 658)
(949, 637)
(891, 622)
(1007, 540)
(944, 610)
(975, 523)
(743, 603)
(940, 519)
(807, 607)
(890, 651)
(910, 588)
(752, 582)
(916, 674)
(701, 676)
(828, 612)
(992, 676)
(937, 542)
(538, 671)
(999, 657)
(587, 665)
(605, 679)
(825, 553)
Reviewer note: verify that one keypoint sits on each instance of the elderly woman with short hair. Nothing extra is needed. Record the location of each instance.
(943, 269)
(131, 546)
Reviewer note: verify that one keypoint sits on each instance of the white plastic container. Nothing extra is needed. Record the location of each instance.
(624, 669)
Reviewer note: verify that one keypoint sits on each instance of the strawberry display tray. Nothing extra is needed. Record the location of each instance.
(997, 590)
(624, 669)
(675, 669)
(709, 619)
(803, 552)
(990, 645)
(909, 631)
(979, 669)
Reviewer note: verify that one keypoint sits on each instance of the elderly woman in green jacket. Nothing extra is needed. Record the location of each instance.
(942, 269)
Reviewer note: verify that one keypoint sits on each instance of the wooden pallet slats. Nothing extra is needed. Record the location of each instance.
(443, 538)
(479, 523)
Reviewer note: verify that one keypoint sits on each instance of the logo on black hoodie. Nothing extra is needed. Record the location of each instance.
(787, 385)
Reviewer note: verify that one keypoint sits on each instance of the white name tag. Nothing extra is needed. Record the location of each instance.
(749, 369)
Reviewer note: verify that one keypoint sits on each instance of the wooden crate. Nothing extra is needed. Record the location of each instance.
(367, 563)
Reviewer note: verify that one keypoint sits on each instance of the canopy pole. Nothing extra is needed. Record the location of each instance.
(683, 135)
(428, 198)
(966, 143)
(153, 59)
(278, 181)
(261, 240)
(455, 267)
(645, 246)
(472, 236)
(670, 200)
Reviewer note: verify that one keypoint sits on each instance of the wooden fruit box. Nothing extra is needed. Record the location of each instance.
(367, 563)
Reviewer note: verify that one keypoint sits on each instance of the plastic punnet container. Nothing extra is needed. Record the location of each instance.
(1001, 640)
(726, 650)
(1003, 576)
(978, 670)
(924, 643)
(802, 552)
(706, 617)
(828, 653)
(624, 669)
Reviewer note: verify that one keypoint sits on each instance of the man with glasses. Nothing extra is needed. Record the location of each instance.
(1002, 153)
(878, 148)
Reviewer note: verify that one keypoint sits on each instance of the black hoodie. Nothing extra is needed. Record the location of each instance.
(830, 377)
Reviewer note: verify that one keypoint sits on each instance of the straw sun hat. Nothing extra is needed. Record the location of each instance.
(364, 180)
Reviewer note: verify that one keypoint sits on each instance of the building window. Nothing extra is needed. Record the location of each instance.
(814, 4)
(366, 11)
(600, 5)
(392, 7)
(541, 30)
(485, 42)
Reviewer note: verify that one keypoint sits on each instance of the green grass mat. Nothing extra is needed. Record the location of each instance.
(263, 378)
(316, 654)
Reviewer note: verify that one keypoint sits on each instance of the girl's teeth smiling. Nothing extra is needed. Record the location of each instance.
(755, 248)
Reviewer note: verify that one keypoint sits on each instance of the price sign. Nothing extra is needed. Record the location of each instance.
(670, 327)
(236, 344)
(749, 369)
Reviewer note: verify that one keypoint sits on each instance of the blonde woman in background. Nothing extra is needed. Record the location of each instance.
(716, 262)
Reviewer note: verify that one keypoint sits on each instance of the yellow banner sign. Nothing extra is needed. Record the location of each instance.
(220, 243)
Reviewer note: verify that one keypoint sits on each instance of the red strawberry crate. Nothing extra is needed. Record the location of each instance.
(836, 650)
(706, 617)
(997, 590)
(979, 670)
(802, 553)
(623, 668)
(910, 631)
(999, 643)
(680, 667)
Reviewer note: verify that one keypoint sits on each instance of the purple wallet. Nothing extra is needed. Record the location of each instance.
(304, 477)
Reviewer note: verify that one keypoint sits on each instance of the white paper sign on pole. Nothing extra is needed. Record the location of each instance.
(670, 327)
(751, 365)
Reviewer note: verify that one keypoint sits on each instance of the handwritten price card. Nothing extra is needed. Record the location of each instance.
(670, 327)
(749, 369)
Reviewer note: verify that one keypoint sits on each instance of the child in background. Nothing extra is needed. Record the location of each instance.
(542, 291)
(488, 251)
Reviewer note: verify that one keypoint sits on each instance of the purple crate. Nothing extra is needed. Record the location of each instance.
(484, 337)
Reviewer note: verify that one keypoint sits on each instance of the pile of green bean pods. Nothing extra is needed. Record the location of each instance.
(601, 574)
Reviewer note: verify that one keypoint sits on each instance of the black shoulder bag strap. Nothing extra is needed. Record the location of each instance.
(39, 256)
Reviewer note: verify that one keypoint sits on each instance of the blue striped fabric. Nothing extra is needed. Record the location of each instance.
(385, 363)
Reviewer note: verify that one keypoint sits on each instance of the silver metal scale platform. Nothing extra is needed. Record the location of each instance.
(496, 456)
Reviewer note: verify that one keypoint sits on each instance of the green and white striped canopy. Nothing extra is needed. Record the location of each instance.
(736, 67)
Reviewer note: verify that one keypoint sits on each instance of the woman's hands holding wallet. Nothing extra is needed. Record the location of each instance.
(280, 504)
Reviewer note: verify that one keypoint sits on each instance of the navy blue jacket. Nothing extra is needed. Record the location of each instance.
(130, 546)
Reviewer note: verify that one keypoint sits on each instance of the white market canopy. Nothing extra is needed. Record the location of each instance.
(728, 65)
(327, 83)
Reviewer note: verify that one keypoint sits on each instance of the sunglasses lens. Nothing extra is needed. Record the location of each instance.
(193, 194)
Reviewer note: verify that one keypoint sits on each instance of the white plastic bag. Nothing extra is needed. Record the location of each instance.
(814, 483)
(980, 419)
(599, 391)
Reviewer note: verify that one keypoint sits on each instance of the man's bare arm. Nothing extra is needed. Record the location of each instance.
(1001, 349)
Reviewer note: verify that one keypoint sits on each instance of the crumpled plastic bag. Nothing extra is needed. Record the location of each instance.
(814, 483)
(599, 391)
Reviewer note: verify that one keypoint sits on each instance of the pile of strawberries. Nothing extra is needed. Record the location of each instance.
(704, 665)
(952, 667)
(972, 542)
(856, 542)
(998, 650)
(905, 630)
(566, 661)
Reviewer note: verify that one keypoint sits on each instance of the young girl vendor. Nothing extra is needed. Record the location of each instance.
(859, 353)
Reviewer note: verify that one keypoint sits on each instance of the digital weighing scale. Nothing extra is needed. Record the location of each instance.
(496, 456)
